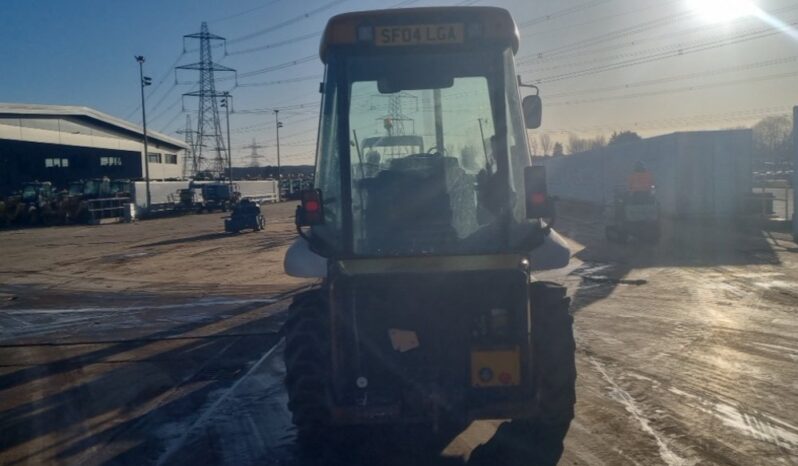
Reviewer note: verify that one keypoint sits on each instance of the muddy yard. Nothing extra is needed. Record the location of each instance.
(158, 343)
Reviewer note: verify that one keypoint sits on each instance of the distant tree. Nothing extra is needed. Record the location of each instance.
(558, 150)
(773, 139)
(545, 143)
(533, 146)
(577, 144)
(624, 137)
(598, 142)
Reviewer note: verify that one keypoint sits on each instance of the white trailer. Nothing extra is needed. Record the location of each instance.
(258, 190)
(163, 195)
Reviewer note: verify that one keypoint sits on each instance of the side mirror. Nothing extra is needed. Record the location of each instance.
(538, 203)
(311, 211)
(533, 111)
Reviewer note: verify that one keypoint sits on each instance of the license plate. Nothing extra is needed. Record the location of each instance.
(423, 34)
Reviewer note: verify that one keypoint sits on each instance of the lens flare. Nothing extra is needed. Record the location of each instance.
(715, 11)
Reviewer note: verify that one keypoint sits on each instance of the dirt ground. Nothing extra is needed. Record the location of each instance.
(158, 343)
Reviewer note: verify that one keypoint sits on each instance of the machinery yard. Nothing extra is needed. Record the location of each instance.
(393, 233)
(123, 344)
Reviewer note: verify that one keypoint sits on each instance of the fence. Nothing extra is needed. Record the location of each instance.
(107, 210)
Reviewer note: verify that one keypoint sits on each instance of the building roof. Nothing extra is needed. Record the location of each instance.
(31, 110)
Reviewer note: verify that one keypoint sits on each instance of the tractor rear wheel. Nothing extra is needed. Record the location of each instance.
(307, 356)
(539, 440)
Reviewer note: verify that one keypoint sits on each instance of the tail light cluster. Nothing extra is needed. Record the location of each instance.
(311, 210)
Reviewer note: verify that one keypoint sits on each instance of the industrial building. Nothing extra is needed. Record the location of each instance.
(61, 144)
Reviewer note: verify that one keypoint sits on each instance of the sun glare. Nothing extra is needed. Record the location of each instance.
(716, 11)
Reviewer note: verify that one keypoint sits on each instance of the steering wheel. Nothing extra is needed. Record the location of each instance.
(434, 151)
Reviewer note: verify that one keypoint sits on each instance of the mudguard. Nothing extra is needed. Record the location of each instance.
(554, 253)
(301, 262)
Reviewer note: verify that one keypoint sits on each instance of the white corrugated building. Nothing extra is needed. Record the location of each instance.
(697, 174)
(61, 144)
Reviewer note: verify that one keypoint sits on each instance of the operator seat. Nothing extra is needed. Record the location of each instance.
(408, 208)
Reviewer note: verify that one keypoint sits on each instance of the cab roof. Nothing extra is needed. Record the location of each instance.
(496, 23)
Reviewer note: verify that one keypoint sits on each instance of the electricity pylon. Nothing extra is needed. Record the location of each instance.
(190, 159)
(209, 125)
(254, 156)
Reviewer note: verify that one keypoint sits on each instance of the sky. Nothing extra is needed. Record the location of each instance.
(652, 66)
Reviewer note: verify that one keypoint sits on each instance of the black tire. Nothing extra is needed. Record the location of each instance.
(307, 356)
(539, 441)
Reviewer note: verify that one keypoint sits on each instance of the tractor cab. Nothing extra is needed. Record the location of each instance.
(440, 168)
(96, 188)
(119, 188)
(36, 191)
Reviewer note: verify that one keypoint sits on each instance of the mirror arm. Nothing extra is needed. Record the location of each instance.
(531, 86)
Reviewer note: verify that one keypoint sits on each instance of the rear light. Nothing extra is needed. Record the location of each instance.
(538, 204)
(311, 210)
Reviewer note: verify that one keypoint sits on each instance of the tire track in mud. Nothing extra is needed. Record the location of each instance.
(692, 423)
(618, 394)
(702, 358)
(205, 414)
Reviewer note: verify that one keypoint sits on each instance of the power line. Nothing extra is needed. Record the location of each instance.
(555, 54)
(301, 38)
(156, 86)
(713, 85)
(683, 77)
(642, 53)
(759, 34)
(242, 13)
(561, 13)
(578, 26)
(164, 111)
(165, 127)
(678, 122)
(302, 105)
(269, 69)
(609, 36)
(280, 43)
(163, 97)
(270, 124)
(282, 81)
(287, 22)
